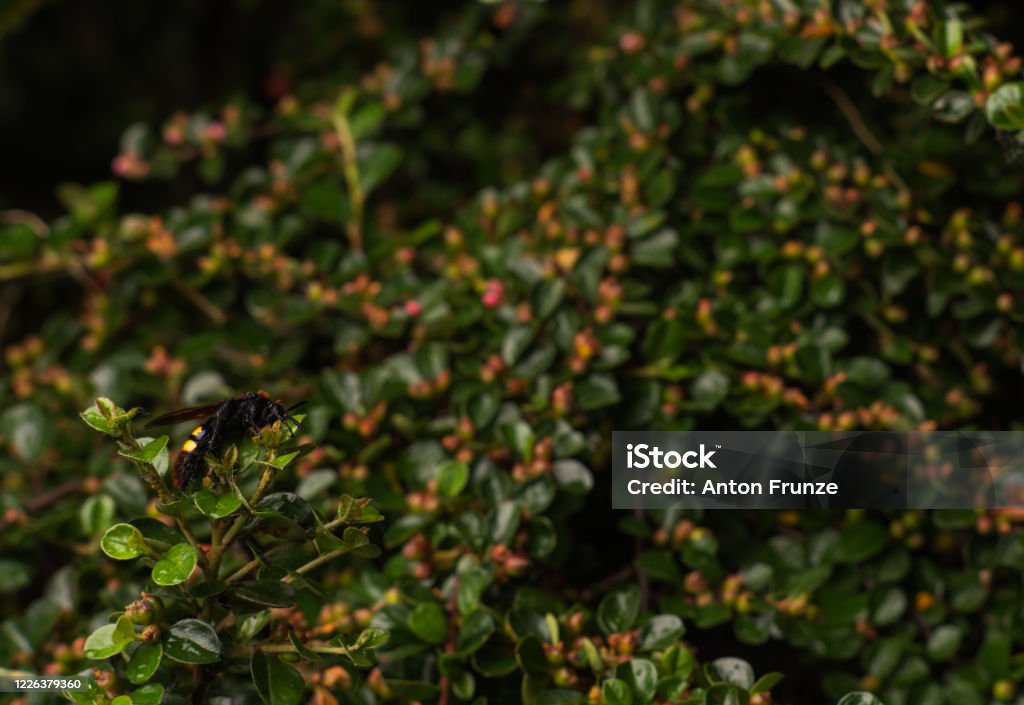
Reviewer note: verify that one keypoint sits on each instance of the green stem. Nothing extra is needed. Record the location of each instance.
(219, 546)
(289, 649)
(255, 562)
(212, 566)
(212, 311)
(318, 561)
(350, 166)
(186, 531)
(16, 270)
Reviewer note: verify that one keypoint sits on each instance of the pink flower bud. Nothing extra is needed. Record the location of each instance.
(494, 294)
(215, 132)
(631, 42)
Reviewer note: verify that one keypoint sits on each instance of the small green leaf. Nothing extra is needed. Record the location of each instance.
(641, 676)
(110, 639)
(663, 630)
(596, 391)
(96, 513)
(267, 592)
(953, 106)
(192, 641)
(859, 698)
(14, 575)
(357, 511)
(506, 521)
(277, 682)
(531, 658)
(547, 297)
(951, 37)
(176, 565)
(733, 671)
(656, 249)
(404, 528)
(303, 650)
(516, 341)
(860, 542)
(471, 585)
(96, 420)
(520, 437)
(619, 609)
(282, 461)
(1005, 107)
(148, 452)
(891, 607)
(616, 692)
(944, 642)
(123, 542)
(377, 164)
(427, 622)
(483, 406)
(476, 629)
(954, 518)
(216, 505)
(995, 655)
(725, 694)
(710, 388)
(452, 477)
(560, 696)
(355, 537)
(765, 683)
(144, 662)
(28, 430)
(572, 476)
(371, 638)
(149, 694)
(925, 89)
(828, 291)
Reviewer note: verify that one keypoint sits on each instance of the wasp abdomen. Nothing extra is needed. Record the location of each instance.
(191, 462)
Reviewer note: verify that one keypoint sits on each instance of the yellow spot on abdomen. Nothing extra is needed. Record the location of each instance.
(189, 446)
(197, 432)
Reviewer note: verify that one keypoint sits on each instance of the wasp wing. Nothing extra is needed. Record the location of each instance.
(192, 412)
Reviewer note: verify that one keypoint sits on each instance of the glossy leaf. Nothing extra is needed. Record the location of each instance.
(175, 566)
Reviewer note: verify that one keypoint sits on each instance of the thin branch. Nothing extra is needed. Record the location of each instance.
(351, 169)
(210, 309)
(255, 562)
(57, 493)
(318, 561)
(449, 647)
(8, 301)
(641, 577)
(224, 541)
(289, 649)
(853, 116)
(22, 217)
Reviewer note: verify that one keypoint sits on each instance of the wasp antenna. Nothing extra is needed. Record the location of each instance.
(297, 404)
(292, 419)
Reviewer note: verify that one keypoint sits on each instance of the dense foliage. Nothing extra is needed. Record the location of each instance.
(745, 214)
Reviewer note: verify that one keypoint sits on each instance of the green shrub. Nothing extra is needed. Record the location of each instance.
(743, 215)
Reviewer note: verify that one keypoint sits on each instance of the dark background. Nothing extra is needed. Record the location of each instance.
(73, 75)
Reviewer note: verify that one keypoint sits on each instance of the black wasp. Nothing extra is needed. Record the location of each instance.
(246, 413)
